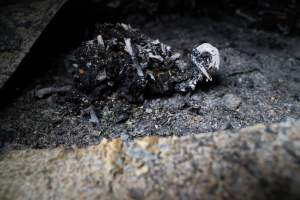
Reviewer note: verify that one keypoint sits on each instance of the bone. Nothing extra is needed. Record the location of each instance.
(128, 48)
(156, 57)
(44, 92)
(204, 64)
(206, 47)
(100, 41)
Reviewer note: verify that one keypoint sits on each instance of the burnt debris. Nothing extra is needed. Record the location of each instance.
(122, 60)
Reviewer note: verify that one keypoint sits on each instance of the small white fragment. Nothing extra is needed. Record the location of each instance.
(126, 27)
(215, 61)
(41, 93)
(100, 41)
(192, 84)
(110, 83)
(175, 56)
(90, 42)
(181, 64)
(88, 64)
(203, 70)
(150, 74)
(101, 76)
(93, 117)
(215, 58)
(183, 89)
(157, 57)
(148, 110)
(163, 48)
(168, 48)
(128, 46)
(139, 71)
(75, 65)
(155, 42)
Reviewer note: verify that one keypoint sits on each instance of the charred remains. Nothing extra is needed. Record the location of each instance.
(123, 60)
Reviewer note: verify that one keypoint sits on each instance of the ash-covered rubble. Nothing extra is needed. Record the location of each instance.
(121, 60)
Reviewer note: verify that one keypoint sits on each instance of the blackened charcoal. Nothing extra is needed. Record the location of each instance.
(124, 61)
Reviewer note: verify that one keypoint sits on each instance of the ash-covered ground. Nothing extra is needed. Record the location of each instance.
(258, 82)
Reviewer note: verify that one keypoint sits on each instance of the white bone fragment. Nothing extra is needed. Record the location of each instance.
(157, 57)
(100, 41)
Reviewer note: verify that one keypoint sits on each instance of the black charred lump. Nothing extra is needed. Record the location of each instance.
(122, 60)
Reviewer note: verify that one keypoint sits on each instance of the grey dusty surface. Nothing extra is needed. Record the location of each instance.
(258, 82)
(259, 162)
(21, 23)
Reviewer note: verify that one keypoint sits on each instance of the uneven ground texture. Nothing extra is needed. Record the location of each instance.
(258, 82)
(260, 162)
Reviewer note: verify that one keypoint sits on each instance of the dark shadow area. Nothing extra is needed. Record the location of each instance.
(64, 32)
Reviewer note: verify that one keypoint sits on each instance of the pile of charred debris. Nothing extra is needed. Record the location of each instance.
(123, 61)
(121, 67)
(172, 74)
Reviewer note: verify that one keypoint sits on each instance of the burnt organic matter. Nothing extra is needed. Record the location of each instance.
(124, 61)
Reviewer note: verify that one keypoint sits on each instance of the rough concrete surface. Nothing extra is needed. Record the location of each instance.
(260, 162)
(21, 24)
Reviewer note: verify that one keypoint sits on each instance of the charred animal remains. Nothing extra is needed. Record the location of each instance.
(121, 59)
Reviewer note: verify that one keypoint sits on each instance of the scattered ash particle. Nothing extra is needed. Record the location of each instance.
(123, 61)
